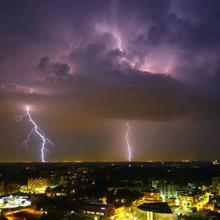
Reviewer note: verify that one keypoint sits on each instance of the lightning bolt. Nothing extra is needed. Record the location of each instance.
(129, 148)
(37, 131)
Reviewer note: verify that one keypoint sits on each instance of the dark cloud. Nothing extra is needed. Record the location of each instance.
(53, 70)
(44, 65)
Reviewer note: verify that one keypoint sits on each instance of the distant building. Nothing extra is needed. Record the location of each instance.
(154, 211)
(215, 162)
(151, 196)
(154, 184)
(2, 188)
(168, 191)
(56, 192)
(187, 201)
(216, 185)
(96, 210)
(37, 185)
(11, 188)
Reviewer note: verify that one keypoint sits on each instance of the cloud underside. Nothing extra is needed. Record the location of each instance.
(153, 60)
(85, 99)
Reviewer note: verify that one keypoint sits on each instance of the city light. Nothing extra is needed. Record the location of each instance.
(10, 202)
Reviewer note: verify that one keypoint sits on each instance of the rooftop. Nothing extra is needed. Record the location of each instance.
(157, 207)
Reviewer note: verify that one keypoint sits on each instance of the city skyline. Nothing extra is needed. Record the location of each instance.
(110, 80)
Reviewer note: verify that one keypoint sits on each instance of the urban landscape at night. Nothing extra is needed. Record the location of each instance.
(143, 190)
(109, 110)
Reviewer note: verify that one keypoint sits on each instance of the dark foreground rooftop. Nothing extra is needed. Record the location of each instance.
(158, 207)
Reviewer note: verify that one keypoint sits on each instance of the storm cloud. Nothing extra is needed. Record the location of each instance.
(85, 63)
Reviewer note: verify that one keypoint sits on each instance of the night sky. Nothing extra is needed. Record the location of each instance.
(86, 67)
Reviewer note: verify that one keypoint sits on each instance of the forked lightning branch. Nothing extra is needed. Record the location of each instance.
(35, 130)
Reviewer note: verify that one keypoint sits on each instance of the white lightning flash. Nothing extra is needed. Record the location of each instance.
(37, 131)
(129, 148)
